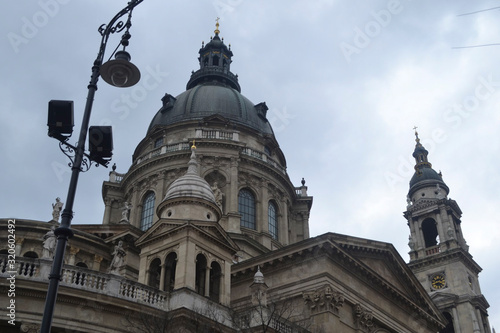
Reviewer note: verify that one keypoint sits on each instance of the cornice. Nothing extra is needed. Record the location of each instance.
(444, 258)
(325, 245)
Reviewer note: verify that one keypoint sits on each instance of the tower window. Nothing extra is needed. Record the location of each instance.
(201, 274)
(267, 151)
(449, 328)
(215, 61)
(158, 142)
(273, 220)
(155, 273)
(170, 267)
(215, 279)
(430, 232)
(147, 213)
(246, 207)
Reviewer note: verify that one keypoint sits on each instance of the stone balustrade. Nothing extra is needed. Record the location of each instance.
(37, 270)
(85, 279)
(263, 157)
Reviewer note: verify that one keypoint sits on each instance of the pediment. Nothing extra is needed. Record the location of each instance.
(384, 264)
(210, 231)
(216, 119)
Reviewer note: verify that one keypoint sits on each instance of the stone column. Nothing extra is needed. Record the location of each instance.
(96, 265)
(107, 210)
(441, 229)
(264, 195)
(232, 198)
(283, 223)
(305, 224)
(456, 322)
(72, 255)
(162, 277)
(19, 246)
(207, 281)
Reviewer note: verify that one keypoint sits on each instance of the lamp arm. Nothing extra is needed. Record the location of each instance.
(113, 26)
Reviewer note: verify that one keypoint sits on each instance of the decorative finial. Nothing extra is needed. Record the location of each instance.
(193, 146)
(202, 44)
(303, 181)
(216, 31)
(114, 166)
(416, 135)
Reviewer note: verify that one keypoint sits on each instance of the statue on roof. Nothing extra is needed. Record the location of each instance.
(56, 209)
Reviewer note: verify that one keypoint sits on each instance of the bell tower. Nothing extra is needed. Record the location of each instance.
(439, 254)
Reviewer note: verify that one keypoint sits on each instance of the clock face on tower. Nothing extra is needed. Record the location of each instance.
(438, 281)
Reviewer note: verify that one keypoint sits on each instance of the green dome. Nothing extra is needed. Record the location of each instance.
(208, 99)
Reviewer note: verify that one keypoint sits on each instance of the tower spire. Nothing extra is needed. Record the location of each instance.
(420, 154)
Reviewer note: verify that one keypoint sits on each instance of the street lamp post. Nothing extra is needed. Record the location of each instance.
(121, 73)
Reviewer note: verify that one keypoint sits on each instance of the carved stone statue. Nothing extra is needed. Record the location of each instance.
(411, 243)
(118, 258)
(439, 192)
(218, 195)
(125, 210)
(56, 209)
(49, 244)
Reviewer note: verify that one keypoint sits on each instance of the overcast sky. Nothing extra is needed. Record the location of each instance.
(345, 83)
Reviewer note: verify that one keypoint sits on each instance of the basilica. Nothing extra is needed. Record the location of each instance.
(205, 232)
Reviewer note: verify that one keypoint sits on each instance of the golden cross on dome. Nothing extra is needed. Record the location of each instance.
(217, 26)
(193, 146)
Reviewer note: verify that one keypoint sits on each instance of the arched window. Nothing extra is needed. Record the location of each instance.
(215, 278)
(449, 328)
(155, 273)
(215, 61)
(82, 264)
(148, 205)
(430, 232)
(201, 274)
(272, 218)
(170, 266)
(30, 254)
(246, 208)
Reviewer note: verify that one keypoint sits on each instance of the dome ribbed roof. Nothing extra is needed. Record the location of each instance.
(190, 185)
(211, 99)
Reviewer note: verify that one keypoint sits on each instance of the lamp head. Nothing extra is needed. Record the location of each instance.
(120, 72)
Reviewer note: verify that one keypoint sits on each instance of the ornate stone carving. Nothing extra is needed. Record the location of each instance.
(324, 299)
(49, 244)
(363, 318)
(30, 328)
(118, 258)
(73, 250)
(125, 212)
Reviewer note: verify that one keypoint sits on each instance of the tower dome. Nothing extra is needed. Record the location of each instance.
(190, 185)
(190, 196)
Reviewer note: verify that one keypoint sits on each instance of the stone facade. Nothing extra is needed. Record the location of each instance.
(205, 232)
